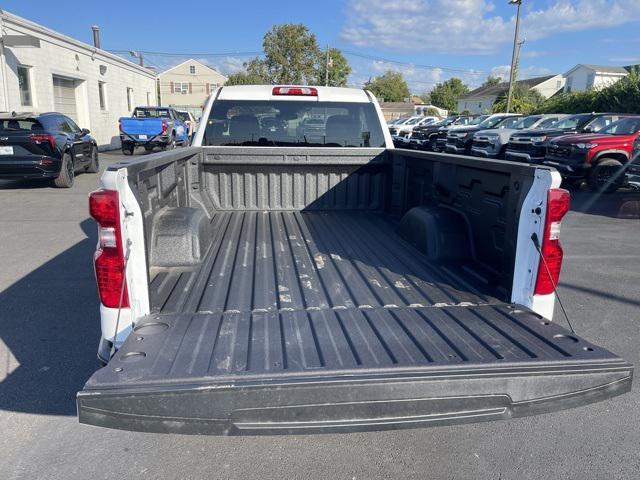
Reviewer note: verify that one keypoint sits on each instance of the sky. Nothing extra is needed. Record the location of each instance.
(428, 41)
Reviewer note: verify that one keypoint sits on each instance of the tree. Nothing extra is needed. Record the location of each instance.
(291, 54)
(391, 87)
(432, 112)
(255, 73)
(524, 100)
(339, 68)
(491, 81)
(445, 94)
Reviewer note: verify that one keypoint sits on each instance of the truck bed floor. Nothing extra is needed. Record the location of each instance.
(272, 261)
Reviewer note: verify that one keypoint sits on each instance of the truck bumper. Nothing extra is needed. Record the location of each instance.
(44, 167)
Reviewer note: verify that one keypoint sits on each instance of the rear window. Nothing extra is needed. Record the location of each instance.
(20, 125)
(151, 113)
(293, 124)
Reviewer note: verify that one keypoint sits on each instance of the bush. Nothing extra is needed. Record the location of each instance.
(621, 97)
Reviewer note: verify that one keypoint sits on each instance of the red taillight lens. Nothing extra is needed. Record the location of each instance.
(300, 91)
(558, 201)
(50, 139)
(164, 126)
(104, 207)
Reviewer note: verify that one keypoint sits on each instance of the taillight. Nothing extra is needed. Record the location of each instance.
(109, 260)
(164, 126)
(50, 139)
(300, 91)
(558, 201)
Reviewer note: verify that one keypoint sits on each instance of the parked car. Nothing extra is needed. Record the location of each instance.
(600, 158)
(532, 147)
(151, 127)
(459, 140)
(46, 145)
(409, 122)
(190, 121)
(311, 127)
(493, 143)
(404, 132)
(633, 167)
(425, 137)
(443, 132)
(293, 288)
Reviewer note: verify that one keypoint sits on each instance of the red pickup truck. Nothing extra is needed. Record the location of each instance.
(600, 158)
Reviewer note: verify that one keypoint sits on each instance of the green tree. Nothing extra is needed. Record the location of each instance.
(255, 73)
(445, 94)
(491, 81)
(291, 54)
(391, 87)
(339, 68)
(524, 100)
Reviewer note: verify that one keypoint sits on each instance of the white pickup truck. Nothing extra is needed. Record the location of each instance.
(272, 280)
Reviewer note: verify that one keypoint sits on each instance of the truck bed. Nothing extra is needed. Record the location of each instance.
(313, 261)
(330, 321)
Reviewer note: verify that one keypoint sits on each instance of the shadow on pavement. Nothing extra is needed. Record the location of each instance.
(621, 204)
(49, 324)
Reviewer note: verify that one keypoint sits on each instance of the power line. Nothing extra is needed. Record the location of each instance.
(190, 54)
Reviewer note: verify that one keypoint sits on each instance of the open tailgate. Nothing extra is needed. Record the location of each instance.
(345, 370)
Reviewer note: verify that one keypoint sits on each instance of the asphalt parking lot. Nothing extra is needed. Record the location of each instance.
(49, 328)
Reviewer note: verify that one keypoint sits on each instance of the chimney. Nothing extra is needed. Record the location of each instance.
(96, 35)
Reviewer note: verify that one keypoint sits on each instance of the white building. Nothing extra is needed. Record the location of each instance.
(481, 99)
(42, 70)
(592, 77)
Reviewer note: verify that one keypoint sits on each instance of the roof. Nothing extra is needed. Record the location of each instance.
(264, 92)
(192, 60)
(600, 68)
(500, 88)
(23, 115)
(17, 23)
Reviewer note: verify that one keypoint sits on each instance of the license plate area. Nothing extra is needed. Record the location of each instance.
(142, 137)
(4, 150)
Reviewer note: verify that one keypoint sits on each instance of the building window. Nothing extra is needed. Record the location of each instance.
(590, 80)
(25, 85)
(192, 69)
(569, 84)
(558, 84)
(130, 99)
(181, 87)
(213, 86)
(102, 95)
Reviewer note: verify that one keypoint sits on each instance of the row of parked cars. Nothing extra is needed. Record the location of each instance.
(601, 148)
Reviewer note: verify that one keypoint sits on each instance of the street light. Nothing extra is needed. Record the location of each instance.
(514, 54)
(137, 55)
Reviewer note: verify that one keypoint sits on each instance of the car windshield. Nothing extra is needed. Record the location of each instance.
(547, 123)
(571, 122)
(525, 122)
(184, 116)
(508, 122)
(151, 113)
(491, 122)
(625, 126)
(293, 124)
(20, 125)
(413, 121)
(478, 120)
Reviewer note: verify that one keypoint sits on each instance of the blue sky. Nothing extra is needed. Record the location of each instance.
(464, 38)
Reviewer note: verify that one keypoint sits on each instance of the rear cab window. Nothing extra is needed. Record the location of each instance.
(293, 124)
(151, 113)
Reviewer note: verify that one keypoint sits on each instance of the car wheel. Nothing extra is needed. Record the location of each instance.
(606, 176)
(172, 144)
(148, 148)
(67, 174)
(94, 165)
(127, 150)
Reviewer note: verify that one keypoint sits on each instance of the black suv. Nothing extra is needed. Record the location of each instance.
(530, 146)
(46, 145)
(425, 137)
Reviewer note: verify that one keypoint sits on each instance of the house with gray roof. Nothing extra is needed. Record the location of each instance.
(481, 99)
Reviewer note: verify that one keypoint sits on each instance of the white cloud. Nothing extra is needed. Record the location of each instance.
(501, 71)
(471, 26)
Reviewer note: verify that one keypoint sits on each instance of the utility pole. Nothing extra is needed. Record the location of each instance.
(326, 69)
(514, 55)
